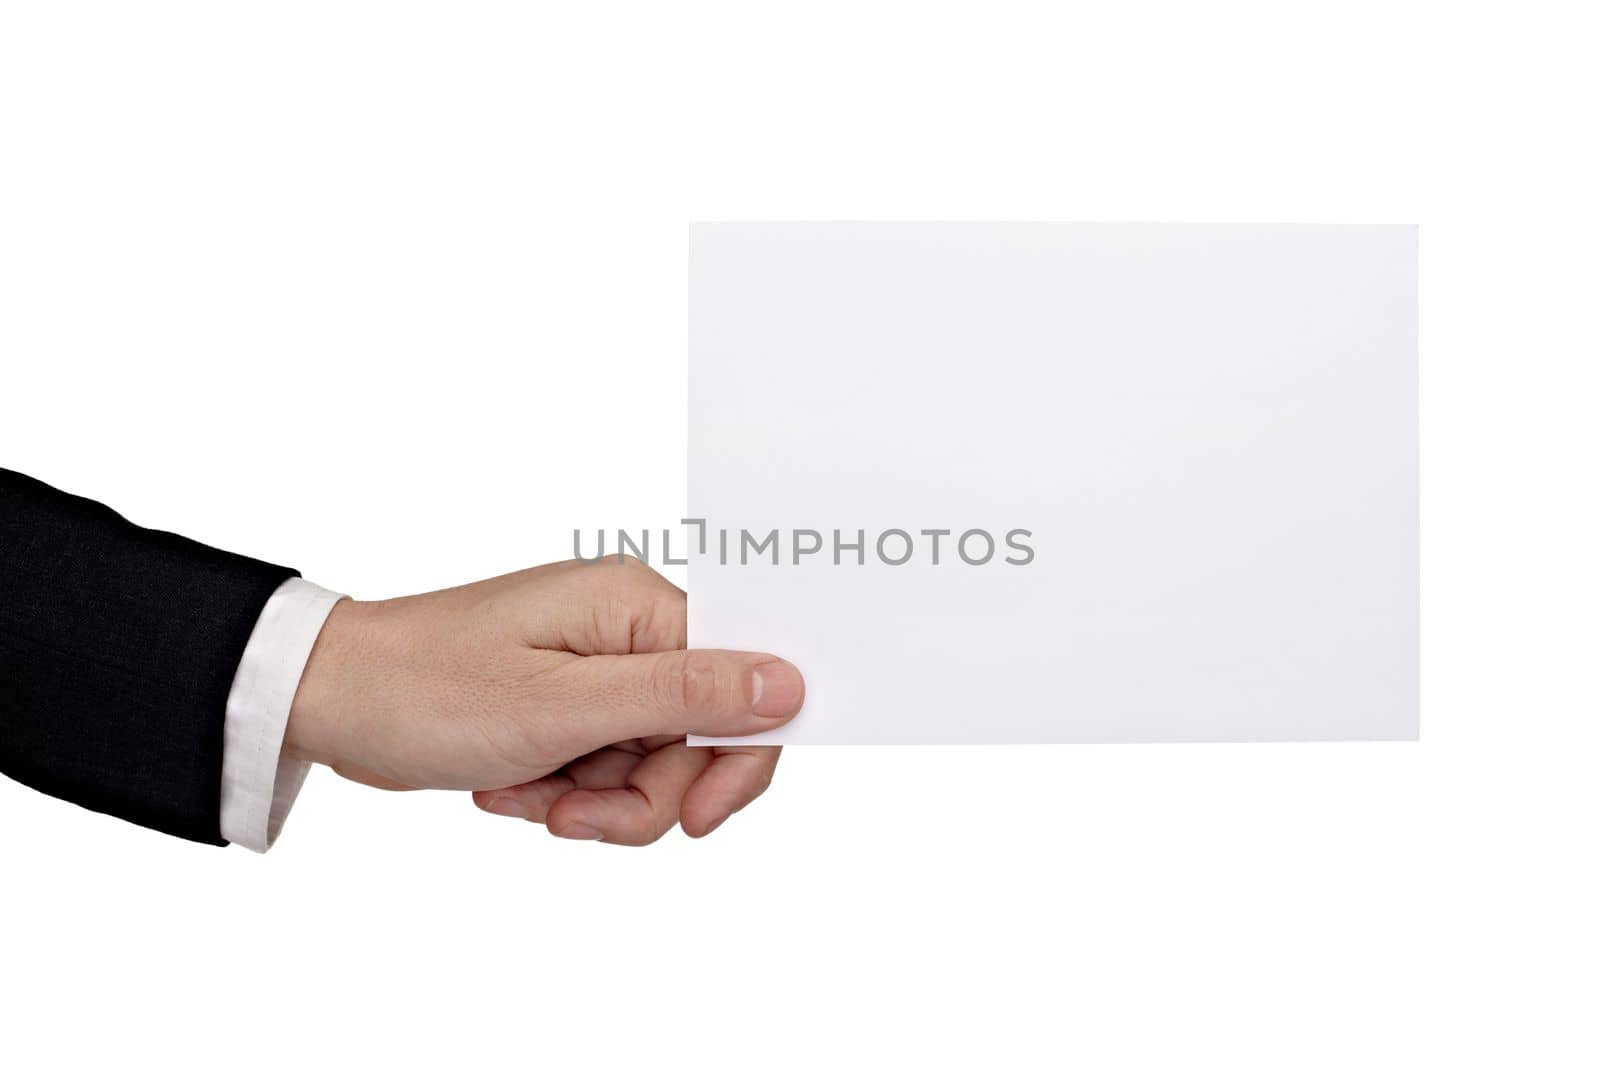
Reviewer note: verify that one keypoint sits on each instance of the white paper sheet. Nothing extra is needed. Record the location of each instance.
(1209, 432)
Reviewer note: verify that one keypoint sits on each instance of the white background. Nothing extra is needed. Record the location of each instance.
(395, 293)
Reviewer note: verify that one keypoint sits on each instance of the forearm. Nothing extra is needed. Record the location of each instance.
(118, 648)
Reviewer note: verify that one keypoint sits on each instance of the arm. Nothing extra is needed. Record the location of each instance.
(118, 647)
(180, 687)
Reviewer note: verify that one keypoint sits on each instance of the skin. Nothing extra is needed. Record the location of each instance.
(559, 694)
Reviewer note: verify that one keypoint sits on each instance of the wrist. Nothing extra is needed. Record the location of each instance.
(323, 706)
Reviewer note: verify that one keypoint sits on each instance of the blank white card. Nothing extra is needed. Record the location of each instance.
(1014, 482)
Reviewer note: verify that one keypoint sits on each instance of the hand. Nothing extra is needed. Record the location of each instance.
(560, 694)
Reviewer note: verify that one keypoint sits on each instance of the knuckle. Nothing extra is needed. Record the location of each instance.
(640, 579)
(625, 569)
(690, 683)
(764, 781)
(626, 577)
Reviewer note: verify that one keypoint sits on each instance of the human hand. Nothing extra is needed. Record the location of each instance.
(560, 694)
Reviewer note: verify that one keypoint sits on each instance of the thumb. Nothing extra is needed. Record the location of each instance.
(704, 691)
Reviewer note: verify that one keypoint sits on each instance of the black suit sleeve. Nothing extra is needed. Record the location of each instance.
(118, 646)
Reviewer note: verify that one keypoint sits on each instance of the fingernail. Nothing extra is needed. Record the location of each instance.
(577, 830)
(509, 808)
(777, 689)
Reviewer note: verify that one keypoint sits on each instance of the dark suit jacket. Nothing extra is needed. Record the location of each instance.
(118, 645)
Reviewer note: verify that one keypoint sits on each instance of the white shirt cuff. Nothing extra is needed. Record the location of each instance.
(259, 784)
